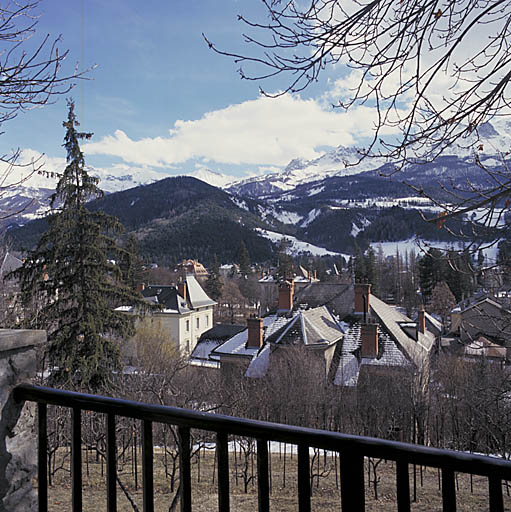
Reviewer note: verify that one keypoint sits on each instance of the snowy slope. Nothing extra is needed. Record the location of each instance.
(297, 246)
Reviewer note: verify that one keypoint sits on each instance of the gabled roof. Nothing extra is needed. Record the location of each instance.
(236, 346)
(390, 318)
(337, 296)
(167, 297)
(196, 295)
(311, 328)
(487, 300)
(351, 360)
(9, 264)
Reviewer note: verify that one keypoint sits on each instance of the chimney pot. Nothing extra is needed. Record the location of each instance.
(369, 335)
(362, 293)
(255, 332)
(286, 290)
(181, 289)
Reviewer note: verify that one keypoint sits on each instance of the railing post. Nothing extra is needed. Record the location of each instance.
(263, 484)
(184, 469)
(111, 465)
(495, 492)
(147, 465)
(352, 481)
(403, 486)
(42, 458)
(448, 491)
(304, 485)
(222, 450)
(76, 459)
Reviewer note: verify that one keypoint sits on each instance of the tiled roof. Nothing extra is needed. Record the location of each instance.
(236, 346)
(351, 361)
(9, 264)
(415, 350)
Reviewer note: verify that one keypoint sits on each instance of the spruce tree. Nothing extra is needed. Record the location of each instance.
(73, 275)
(244, 260)
(213, 283)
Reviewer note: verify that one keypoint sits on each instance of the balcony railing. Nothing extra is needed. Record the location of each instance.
(351, 449)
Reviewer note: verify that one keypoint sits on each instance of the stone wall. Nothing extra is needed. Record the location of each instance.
(18, 443)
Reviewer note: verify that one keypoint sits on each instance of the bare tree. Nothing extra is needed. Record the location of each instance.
(431, 72)
(397, 54)
(30, 76)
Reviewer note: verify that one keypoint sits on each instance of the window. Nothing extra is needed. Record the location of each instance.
(207, 321)
(188, 326)
(198, 322)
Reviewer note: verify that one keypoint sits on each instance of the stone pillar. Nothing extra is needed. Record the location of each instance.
(18, 442)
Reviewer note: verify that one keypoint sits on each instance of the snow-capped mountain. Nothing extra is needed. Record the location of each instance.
(489, 141)
(341, 161)
(213, 178)
(25, 189)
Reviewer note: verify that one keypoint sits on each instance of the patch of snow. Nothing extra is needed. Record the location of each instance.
(314, 191)
(312, 215)
(239, 203)
(297, 246)
(287, 217)
(355, 230)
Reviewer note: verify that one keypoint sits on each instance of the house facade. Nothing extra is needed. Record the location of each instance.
(184, 311)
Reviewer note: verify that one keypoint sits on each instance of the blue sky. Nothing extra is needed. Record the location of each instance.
(158, 98)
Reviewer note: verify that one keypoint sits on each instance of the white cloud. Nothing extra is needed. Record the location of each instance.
(34, 169)
(261, 132)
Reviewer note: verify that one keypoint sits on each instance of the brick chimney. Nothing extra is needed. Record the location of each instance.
(286, 290)
(181, 288)
(421, 321)
(369, 335)
(362, 292)
(255, 332)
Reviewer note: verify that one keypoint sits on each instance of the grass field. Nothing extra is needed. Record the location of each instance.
(471, 496)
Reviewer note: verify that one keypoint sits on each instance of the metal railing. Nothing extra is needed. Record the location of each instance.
(352, 450)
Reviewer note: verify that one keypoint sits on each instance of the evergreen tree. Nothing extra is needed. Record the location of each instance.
(431, 272)
(244, 260)
(131, 263)
(213, 283)
(442, 300)
(285, 261)
(73, 271)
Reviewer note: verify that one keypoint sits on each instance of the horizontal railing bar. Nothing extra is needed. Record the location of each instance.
(366, 446)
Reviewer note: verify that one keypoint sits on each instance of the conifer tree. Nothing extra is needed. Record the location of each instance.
(213, 283)
(284, 260)
(73, 274)
(244, 260)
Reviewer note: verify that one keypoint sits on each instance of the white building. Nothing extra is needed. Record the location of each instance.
(186, 311)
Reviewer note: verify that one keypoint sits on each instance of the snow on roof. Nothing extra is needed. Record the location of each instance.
(259, 365)
(203, 350)
(391, 318)
(237, 344)
(198, 297)
(350, 361)
(124, 309)
(9, 264)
